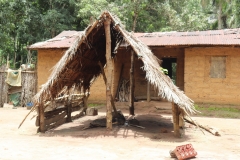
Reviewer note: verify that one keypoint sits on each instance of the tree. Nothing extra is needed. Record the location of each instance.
(221, 8)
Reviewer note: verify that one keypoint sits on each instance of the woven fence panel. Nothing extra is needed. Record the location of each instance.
(3, 88)
(29, 88)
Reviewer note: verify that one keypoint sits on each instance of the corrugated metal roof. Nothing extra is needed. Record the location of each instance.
(211, 37)
(63, 40)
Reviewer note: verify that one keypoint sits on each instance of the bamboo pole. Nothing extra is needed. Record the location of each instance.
(107, 23)
(175, 114)
(131, 98)
(41, 118)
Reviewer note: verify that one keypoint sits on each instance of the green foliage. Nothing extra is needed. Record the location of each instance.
(24, 22)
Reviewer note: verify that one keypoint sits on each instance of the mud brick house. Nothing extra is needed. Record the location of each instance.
(207, 62)
(204, 64)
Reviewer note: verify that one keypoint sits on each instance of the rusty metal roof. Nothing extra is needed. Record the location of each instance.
(211, 37)
(63, 40)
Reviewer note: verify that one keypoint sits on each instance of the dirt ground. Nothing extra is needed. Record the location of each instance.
(69, 141)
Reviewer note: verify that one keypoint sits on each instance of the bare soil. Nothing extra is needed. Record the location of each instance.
(69, 141)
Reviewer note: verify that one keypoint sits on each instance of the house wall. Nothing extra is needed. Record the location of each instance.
(123, 58)
(198, 84)
(47, 58)
(122, 61)
(177, 53)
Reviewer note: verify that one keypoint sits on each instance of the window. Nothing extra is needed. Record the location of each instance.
(218, 67)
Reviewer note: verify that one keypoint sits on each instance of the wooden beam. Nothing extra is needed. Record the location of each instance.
(41, 118)
(69, 112)
(107, 23)
(175, 114)
(105, 81)
(55, 118)
(148, 92)
(131, 98)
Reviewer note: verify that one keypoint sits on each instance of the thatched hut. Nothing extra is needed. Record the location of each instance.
(95, 48)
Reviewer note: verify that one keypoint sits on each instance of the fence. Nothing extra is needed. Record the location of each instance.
(27, 90)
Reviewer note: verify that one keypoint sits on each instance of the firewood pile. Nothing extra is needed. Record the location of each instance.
(123, 91)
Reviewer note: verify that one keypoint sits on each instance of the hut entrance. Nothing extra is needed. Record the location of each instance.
(175, 67)
(171, 65)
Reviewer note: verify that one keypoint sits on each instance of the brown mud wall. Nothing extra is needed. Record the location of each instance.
(198, 84)
(47, 58)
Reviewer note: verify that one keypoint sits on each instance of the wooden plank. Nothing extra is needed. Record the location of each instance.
(107, 23)
(175, 114)
(58, 123)
(55, 118)
(54, 112)
(131, 98)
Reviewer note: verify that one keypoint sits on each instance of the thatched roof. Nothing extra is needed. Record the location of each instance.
(79, 65)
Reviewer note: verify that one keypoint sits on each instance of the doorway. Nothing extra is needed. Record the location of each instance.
(171, 65)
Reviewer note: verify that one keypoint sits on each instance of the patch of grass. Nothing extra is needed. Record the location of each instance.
(221, 111)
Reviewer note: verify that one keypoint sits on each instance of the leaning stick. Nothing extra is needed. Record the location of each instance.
(210, 130)
(32, 109)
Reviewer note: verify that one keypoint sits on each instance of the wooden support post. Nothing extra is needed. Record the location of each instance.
(131, 98)
(175, 113)
(107, 23)
(105, 81)
(148, 92)
(85, 103)
(69, 112)
(41, 118)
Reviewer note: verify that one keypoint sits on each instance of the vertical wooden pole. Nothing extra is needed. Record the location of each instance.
(105, 81)
(109, 73)
(69, 112)
(148, 92)
(41, 118)
(85, 103)
(175, 113)
(131, 98)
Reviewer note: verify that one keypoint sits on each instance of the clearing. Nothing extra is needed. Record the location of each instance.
(69, 141)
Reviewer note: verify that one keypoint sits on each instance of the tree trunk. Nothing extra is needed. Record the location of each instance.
(131, 98)
(41, 118)
(175, 113)
(105, 81)
(109, 73)
(220, 16)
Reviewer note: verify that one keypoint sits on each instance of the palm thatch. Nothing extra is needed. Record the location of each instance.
(79, 65)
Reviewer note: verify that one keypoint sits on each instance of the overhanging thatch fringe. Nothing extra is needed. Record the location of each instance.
(154, 75)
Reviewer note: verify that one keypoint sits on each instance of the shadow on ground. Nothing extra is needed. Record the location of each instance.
(156, 127)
